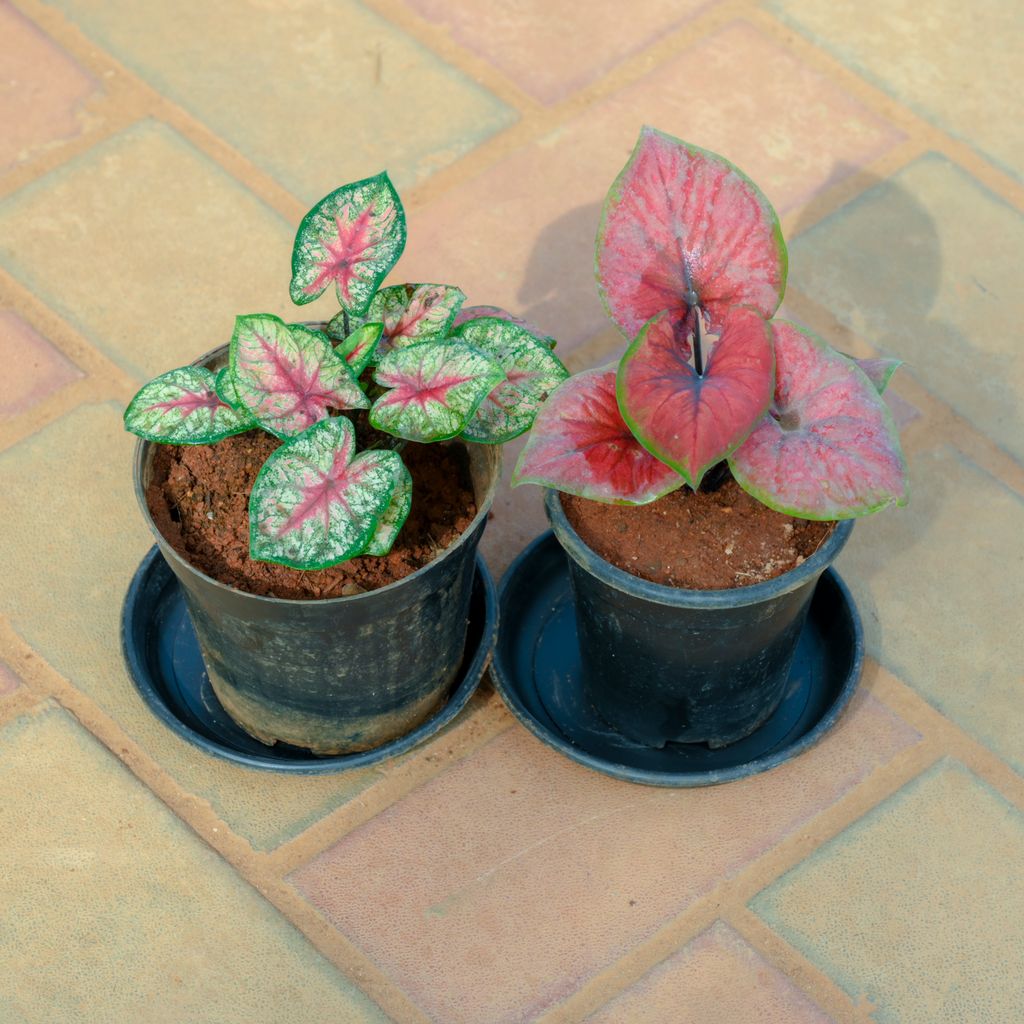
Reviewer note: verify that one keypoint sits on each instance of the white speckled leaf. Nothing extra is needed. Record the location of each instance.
(414, 312)
(183, 407)
(435, 387)
(532, 372)
(288, 376)
(313, 505)
(351, 239)
(394, 516)
(468, 313)
(358, 348)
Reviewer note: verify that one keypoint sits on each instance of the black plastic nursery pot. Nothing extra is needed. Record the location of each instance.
(663, 664)
(343, 674)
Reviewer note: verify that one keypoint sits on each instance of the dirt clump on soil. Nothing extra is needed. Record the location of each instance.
(199, 499)
(697, 540)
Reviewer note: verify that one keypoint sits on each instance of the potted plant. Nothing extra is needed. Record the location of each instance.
(702, 484)
(326, 554)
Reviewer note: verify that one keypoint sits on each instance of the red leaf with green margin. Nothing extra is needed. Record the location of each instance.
(468, 313)
(414, 312)
(879, 371)
(580, 444)
(313, 505)
(678, 220)
(351, 238)
(532, 372)
(435, 389)
(183, 407)
(358, 348)
(288, 375)
(829, 448)
(692, 421)
(394, 516)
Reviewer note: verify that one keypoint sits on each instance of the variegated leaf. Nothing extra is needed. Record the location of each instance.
(468, 313)
(580, 444)
(183, 407)
(829, 448)
(313, 504)
(435, 387)
(414, 312)
(351, 239)
(394, 516)
(288, 376)
(358, 348)
(688, 420)
(532, 372)
(681, 227)
(879, 370)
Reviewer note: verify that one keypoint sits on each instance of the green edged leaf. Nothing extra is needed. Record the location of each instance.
(879, 371)
(351, 239)
(532, 372)
(468, 313)
(434, 389)
(394, 516)
(412, 313)
(313, 504)
(226, 392)
(288, 376)
(358, 348)
(183, 407)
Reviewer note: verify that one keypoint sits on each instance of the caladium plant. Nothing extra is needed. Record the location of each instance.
(401, 355)
(691, 266)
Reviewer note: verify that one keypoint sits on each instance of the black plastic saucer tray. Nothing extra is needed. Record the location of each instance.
(537, 666)
(164, 662)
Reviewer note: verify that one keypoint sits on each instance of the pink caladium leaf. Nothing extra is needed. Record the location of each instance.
(468, 313)
(315, 503)
(532, 372)
(829, 448)
(288, 376)
(580, 444)
(414, 312)
(683, 227)
(879, 371)
(183, 407)
(358, 348)
(688, 420)
(351, 239)
(394, 516)
(225, 386)
(435, 387)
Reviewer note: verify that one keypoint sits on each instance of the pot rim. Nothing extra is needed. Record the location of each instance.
(682, 597)
(483, 509)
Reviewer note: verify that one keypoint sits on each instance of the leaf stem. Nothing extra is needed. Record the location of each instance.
(345, 321)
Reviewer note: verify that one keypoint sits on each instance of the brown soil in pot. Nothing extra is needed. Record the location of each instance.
(698, 541)
(199, 500)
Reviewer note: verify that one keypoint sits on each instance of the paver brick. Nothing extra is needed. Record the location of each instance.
(32, 367)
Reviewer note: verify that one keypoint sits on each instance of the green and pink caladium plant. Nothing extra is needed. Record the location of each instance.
(691, 266)
(419, 367)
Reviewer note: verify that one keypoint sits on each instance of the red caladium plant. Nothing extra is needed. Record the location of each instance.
(691, 266)
(395, 352)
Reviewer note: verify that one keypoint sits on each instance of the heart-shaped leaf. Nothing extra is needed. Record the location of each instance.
(183, 407)
(351, 238)
(358, 348)
(879, 371)
(412, 313)
(829, 448)
(288, 376)
(394, 516)
(468, 313)
(682, 226)
(580, 444)
(313, 505)
(532, 372)
(225, 386)
(692, 421)
(435, 389)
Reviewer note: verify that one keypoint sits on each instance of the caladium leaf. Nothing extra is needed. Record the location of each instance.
(358, 348)
(225, 387)
(435, 389)
(414, 312)
(394, 516)
(580, 444)
(468, 313)
(879, 371)
(288, 376)
(351, 238)
(315, 503)
(532, 372)
(688, 420)
(829, 448)
(183, 407)
(681, 227)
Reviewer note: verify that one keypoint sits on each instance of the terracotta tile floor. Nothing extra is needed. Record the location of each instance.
(155, 161)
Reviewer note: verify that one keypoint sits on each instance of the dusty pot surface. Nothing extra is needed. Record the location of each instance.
(343, 674)
(663, 664)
